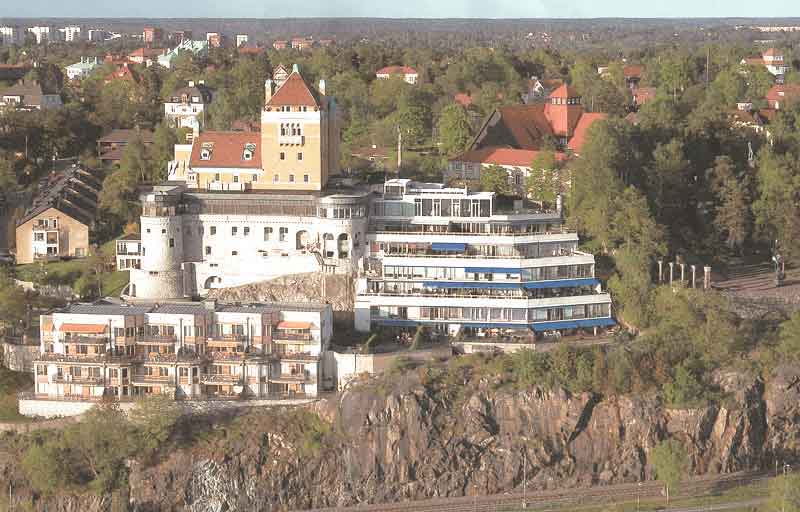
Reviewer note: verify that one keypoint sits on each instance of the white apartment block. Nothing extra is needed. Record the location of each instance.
(44, 34)
(241, 40)
(185, 350)
(10, 35)
(195, 241)
(456, 262)
(70, 33)
(129, 252)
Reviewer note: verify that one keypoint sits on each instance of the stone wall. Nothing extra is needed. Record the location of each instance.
(19, 358)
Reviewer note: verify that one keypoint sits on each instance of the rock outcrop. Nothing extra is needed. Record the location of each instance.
(407, 439)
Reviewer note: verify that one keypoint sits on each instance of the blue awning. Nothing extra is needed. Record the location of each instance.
(444, 246)
(492, 270)
(596, 322)
(395, 321)
(562, 283)
(484, 285)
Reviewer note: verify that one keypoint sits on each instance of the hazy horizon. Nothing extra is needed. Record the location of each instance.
(410, 9)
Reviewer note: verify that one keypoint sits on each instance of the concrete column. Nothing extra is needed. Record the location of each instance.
(706, 277)
(671, 272)
(694, 276)
(660, 271)
(683, 273)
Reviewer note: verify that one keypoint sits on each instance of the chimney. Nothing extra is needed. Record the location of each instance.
(322, 86)
(267, 91)
(191, 83)
(295, 68)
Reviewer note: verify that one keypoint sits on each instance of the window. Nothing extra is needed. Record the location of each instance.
(234, 253)
(283, 233)
(283, 155)
(276, 179)
(213, 230)
(236, 178)
(163, 231)
(55, 223)
(255, 178)
(299, 157)
(38, 237)
(291, 178)
(234, 230)
(246, 230)
(216, 177)
(305, 178)
(208, 249)
(267, 233)
(172, 242)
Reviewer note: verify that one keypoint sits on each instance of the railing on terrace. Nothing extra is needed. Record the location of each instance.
(30, 395)
(221, 378)
(433, 254)
(419, 230)
(292, 377)
(78, 379)
(151, 379)
(157, 339)
(228, 338)
(281, 335)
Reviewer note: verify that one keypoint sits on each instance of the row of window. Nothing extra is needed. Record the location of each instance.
(486, 314)
(276, 178)
(526, 274)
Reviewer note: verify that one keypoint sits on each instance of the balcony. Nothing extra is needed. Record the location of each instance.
(77, 379)
(305, 337)
(294, 356)
(293, 378)
(157, 339)
(291, 140)
(86, 340)
(221, 378)
(151, 379)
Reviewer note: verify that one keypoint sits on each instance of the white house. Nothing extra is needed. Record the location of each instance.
(408, 74)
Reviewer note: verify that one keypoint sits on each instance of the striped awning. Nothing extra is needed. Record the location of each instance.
(562, 283)
(294, 325)
(84, 328)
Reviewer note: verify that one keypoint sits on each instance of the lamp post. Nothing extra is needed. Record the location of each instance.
(638, 495)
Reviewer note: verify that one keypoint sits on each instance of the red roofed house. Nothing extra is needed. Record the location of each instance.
(225, 161)
(642, 95)
(780, 96)
(122, 72)
(772, 59)
(145, 56)
(512, 136)
(410, 75)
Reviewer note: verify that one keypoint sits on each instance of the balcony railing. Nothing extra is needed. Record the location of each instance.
(292, 140)
(77, 379)
(420, 230)
(300, 377)
(221, 378)
(294, 356)
(292, 336)
(157, 339)
(151, 379)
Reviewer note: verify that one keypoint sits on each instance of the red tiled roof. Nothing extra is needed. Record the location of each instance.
(772, 52)
(463, 99)
(644, 94)
(494, 155)
(295, 91)
(227, 150)
(754, 61)
(633, 71)
(396, 70)
(146, 52)
(768, 113)
(564, 91)
(585, 121)
(84, 328)
(525, 125)
(790, 92)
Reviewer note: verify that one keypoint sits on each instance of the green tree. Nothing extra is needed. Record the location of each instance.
(13, 310)
(685, 389)
(44, 467)
(161, 152)
(777, 207)
(789, 339)
(732, 219)
(154, 418)
(784, 494)
(544, 184)
(454, 129)
(420, 337)
(670, 462)
(8, 176)
(495, 179)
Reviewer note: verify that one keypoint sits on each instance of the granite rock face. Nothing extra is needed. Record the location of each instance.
(405, 439)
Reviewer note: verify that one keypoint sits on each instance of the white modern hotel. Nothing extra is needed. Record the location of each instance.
(462, 263)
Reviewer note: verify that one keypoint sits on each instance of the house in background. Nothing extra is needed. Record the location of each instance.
(196, 48)
(409, 75)
(771, 59)
(82, 69)
(781, 96)
(280, 44)
(185, 108)
(129, 252)
(123, 72)
(110, 147)
(146, 56)
(512, 135)
(57, 223)
(29, 95)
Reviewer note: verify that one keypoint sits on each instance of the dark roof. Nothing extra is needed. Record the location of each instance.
(125, 136)
(30, 91)
(106, 309)
(72, 191)
(195, 91)
(193, 308)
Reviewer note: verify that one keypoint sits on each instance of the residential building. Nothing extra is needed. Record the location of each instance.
(111, 146)
(197, 48)
(70, 33)
(241, 40)
(229, 161)
(408, 74)
(10, 34)
(146, 56)
(279, 76)
(781, 96)
(105, 351)
(642, 95)
(215, 39)
(29, 95)
(302, 43)
(280, 44)
(57, 224)
(123, 72)
(151, 35)
(44, 34)
(14, 72)
(458, 263)
(186, 106)
(180, 36)
(98, 35)
(82, 69)
(129, 252)
(512, 135)
(772, 59)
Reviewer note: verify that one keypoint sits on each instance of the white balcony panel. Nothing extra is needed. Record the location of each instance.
(384, 300)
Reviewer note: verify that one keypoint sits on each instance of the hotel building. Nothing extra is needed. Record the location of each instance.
(187, 350)
(463, 264)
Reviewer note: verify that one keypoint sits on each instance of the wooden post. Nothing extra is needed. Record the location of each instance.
(683, 273)
(694, 275)
(660, 271)
(707, 277)
(671, 272)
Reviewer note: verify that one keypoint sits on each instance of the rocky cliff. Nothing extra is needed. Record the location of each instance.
(411, 438)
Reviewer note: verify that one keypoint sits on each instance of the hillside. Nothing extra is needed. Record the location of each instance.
(441, 431)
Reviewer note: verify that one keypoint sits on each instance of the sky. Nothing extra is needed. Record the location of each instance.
(398, 9)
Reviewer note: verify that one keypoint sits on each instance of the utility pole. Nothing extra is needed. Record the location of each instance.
(399, 149)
